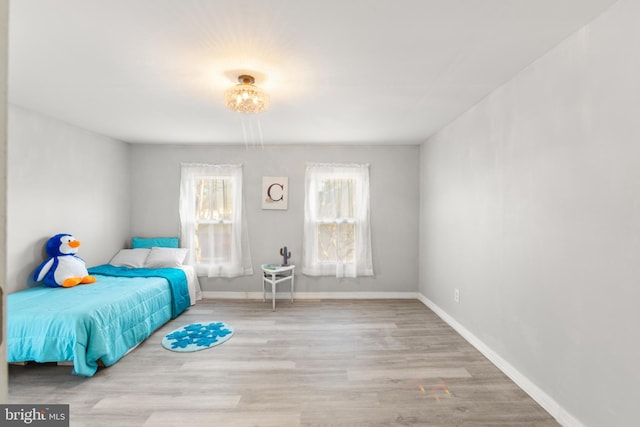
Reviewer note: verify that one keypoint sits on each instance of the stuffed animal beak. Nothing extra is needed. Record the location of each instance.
(74, 243)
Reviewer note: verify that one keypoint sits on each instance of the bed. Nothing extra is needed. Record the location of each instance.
(97, 323)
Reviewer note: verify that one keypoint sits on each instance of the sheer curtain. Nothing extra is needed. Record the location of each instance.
(337, 230)
(213, 223)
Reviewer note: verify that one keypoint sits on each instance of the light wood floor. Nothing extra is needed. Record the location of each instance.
(310, 363)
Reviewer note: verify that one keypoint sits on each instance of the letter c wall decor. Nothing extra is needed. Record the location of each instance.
(275, 192)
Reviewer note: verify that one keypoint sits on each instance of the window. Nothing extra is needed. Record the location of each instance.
(337, 236)
(213, 225)
(214, 220)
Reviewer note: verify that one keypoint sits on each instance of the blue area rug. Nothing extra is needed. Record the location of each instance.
(197, 336)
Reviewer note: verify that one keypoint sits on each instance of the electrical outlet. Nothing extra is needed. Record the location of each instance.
(456, 295)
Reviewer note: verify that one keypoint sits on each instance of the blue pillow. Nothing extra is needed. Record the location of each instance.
(162, 242)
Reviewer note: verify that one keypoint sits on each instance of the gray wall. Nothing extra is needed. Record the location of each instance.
(530, 205)
(62, 179)
(394, 207)
(4, 24)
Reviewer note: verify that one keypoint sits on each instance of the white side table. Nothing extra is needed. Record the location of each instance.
(275, 274)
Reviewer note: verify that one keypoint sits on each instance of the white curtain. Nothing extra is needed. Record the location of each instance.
(213, 223)
(337, 230)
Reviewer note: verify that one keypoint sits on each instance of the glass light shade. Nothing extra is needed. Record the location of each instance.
(245, 97)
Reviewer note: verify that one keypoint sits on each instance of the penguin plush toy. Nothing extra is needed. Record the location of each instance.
(63, 268)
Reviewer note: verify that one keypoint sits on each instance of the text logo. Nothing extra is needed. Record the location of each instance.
(34, 415)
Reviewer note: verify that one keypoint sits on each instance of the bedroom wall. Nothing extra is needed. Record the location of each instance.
(530, 206)
(394, 208)
(4, 24)
(62, 179)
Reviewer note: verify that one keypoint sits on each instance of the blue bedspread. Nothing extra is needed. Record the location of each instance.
(176, 277)
(90, 323)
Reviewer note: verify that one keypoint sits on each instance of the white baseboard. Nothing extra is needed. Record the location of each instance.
(549, 404)
(311, 295)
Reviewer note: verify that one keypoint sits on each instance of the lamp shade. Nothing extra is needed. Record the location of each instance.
(245, 97)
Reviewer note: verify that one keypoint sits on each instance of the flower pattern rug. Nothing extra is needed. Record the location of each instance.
(197, 336)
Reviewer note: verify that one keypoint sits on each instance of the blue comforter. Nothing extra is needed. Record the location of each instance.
(90, 323)
(177, 279)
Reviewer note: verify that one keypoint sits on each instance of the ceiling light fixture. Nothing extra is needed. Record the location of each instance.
(245, 97)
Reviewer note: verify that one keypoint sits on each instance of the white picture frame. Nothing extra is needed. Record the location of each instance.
(275, 192)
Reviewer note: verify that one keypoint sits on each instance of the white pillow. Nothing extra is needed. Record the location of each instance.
(133, 258)
(165, 257)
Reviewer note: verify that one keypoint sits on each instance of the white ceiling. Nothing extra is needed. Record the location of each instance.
(338, 71)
